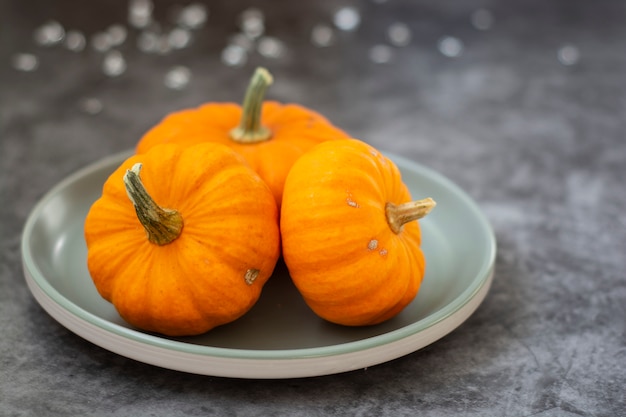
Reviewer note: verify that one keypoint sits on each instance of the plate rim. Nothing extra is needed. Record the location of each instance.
(268, 359)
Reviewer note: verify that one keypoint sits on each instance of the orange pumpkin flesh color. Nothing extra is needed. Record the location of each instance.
(186, 246)
(269, 135)
(349, 235)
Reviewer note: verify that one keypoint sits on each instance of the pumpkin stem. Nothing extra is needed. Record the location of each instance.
(401, 214)
(162, 225)
(250, 129)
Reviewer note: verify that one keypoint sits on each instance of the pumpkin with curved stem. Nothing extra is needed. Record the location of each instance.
(349, 235)
(269, 135)
(188, 244)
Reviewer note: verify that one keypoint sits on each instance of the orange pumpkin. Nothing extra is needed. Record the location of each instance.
(349, 235)
(269, 135)
(186, 246)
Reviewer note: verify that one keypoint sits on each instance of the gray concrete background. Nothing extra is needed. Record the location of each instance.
(538, 142)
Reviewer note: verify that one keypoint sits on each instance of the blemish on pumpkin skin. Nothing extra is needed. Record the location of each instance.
(373, 244)
(251, 275)
(383, 252)
(379, 157)
(350, 201)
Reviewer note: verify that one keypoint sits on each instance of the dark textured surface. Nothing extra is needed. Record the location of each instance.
(538, 144)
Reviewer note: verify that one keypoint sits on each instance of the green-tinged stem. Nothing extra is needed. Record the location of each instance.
(162, 225)
(401, 214)
(250, 129)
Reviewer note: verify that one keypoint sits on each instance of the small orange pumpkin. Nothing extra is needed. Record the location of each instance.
(349, 235)
(188, 245)
(269, 135)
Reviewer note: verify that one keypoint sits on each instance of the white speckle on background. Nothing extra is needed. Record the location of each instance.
(271, 47)
(25, 62)
(234, 56)
(450, 46)
(252, 22)
(117, 34)
(482, 19)
(101, 41)
(322, 35)
(50, 33)
(155, 43)
(399, 34)
(114, 64)
(568, 55)
(179, 38)
(140, 13)
(347, 19)
(75, 41)
(193, 16)
(380, 54)
(91, 105)
(177, 78)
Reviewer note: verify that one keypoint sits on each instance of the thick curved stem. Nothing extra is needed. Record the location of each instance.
(399, 215)
(250, 129)
(162, 225)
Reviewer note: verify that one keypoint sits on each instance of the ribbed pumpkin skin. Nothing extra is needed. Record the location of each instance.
(295, 129)
(343, 257)
(197, 281)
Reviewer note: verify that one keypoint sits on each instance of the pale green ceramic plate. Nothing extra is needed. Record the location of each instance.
(280, 337)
